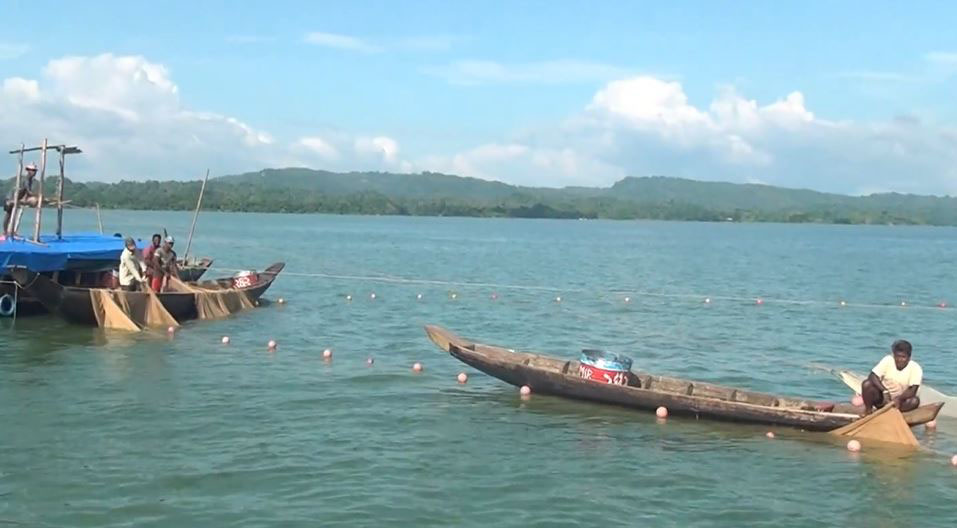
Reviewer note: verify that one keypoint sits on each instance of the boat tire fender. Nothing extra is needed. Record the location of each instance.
(8, 306)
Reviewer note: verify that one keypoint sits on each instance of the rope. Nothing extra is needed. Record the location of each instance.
(616, 291)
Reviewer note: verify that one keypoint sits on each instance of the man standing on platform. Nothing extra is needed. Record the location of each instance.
(25, 193)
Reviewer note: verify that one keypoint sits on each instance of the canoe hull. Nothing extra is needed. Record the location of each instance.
(647, 392)
(193, 271)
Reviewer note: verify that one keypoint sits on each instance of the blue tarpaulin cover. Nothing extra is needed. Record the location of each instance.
(54, 254)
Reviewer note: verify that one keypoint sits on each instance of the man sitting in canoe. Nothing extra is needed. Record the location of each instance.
(893, 381)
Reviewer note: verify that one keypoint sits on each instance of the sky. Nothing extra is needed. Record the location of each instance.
(850, 97)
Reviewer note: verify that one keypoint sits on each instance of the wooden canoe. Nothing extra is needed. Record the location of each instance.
(546, 375)
(192, 271)
(74, 303)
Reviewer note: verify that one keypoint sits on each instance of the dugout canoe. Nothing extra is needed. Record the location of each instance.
(547, 375)
(192, 271)
(75, 304)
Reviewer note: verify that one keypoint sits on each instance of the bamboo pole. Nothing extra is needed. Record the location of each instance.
(43, 171)
(199, 203)
(59, 192)
(99, 221)
(10, 228)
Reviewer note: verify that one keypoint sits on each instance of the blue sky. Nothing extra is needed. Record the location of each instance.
(539, 93)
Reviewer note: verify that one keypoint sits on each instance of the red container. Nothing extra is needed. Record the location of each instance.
(604, 367)
(614, 377)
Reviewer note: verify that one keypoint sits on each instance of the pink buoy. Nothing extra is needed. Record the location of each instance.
(370, 361)
(348, 297)
(759, 301)
(171, 330)
(463, 377)
(903, 303)
(525, 390)
(931, 425)
(558, 299)
(281, 301)
(770, 434)
(953, 460)
(853, 446)
(661, 412)
(627, 299)
(271, 344)
(327, 354)
(372, 296)
(942, 305)
(225, 340)
(417, 367)
(494, 296)
(857, 400)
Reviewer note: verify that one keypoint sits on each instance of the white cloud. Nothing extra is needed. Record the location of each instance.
(126, 114)
(12, 51)
(645, 125)
(19, 88)
(525, 165)
(942, 57)
(320, 147)
(343, 42)
(385, 148)
(472, 72)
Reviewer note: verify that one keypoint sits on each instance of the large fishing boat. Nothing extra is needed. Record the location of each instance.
(80, 304)
(85, 260)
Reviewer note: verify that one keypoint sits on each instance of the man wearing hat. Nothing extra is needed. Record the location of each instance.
(25, 192)
(163, 265)
(130, 276)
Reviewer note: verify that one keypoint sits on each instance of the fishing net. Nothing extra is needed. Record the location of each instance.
(156, 314)
(117, 309)
(108, 313)
(886, 425)
(213, 302)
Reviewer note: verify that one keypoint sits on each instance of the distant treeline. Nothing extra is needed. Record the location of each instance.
(431, 194)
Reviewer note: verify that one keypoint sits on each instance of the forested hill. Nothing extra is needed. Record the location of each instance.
(433, 194)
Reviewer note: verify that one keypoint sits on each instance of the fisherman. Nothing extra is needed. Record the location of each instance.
(893, 381)
(148, 256)
(130, 276)
(163, 264)
(25, 194)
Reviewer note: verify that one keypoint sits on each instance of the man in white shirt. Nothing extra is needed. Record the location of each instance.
(893, 381)
(130, 276)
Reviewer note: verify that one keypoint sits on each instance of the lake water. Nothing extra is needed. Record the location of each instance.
(106, 429)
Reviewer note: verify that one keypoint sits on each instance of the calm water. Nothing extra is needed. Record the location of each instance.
(104, 429)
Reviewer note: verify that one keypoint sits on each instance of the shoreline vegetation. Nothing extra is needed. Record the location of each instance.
(297, 190)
